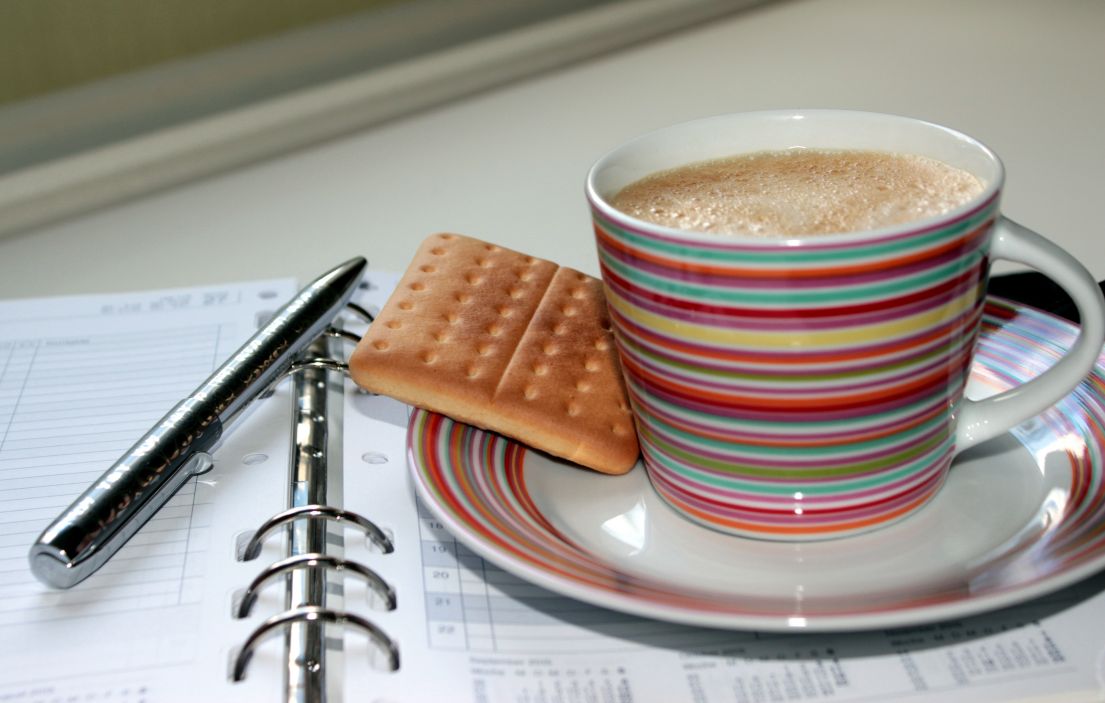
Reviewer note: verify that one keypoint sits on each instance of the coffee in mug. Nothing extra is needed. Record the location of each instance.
(810, 385)
(798, 192)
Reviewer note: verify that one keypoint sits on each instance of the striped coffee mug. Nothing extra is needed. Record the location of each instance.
(807, 388)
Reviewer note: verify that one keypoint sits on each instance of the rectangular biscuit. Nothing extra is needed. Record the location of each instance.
(507, 342)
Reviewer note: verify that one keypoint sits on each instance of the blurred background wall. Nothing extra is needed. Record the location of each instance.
(106, 99)
(48, 45)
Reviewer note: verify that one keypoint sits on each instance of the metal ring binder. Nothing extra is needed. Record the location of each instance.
(328, 364)
(342, 334)
(381, 587)
(326, 512)
(313, 554)
(312, 614)
(361, 312)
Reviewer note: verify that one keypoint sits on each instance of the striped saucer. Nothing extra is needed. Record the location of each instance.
(1018, 517)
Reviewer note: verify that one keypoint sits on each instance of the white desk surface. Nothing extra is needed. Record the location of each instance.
(1023, 76)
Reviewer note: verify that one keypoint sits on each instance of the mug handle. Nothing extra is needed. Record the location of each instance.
(980, 420)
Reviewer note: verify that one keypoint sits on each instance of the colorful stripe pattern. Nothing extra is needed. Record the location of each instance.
(475, 481)
(794, 391)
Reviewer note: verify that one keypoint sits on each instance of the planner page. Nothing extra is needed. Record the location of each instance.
(81, 378)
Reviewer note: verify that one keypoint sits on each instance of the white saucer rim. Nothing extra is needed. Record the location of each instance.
(793, 622)
(971, 604)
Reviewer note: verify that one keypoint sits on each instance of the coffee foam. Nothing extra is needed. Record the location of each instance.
(798, 192)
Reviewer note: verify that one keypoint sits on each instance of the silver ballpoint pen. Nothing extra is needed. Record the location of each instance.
(112, 509)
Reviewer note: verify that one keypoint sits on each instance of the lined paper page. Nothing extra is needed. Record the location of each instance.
(80, 380)
(60, 437)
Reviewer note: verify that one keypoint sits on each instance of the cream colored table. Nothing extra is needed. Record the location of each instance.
(508, 165)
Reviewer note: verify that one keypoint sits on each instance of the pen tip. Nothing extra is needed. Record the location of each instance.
(344, 277)
(353, 268)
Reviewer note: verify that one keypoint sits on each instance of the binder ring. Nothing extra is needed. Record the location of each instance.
(361, 312)
(325, 512)
(317, 615)
(317, 363)
(324, 363)
(339, 333)
(278, 568)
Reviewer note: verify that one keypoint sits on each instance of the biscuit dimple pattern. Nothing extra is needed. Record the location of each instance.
(513, 334)
(571, 320)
